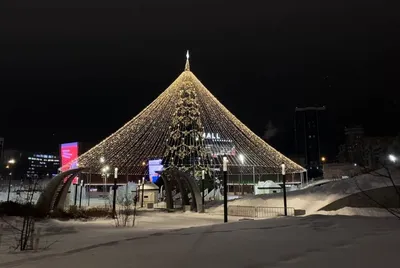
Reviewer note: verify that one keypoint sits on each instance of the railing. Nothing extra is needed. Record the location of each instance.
(259, 212)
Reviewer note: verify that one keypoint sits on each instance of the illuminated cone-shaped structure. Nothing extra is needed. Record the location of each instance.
(184, 123)
(185, 149)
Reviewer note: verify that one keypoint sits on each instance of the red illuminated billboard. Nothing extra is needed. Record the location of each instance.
(69, 157)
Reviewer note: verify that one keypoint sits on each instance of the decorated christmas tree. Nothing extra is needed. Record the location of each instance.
(185, 144)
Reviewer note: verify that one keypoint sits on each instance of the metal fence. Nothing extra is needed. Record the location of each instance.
(259, 212)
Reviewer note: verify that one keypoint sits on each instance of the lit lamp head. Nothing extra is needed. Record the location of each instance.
(323, 159)
(102, 160)
(11, 161)
(241, 158)
(392, 158)
(105, 169)
(283, 166)
(225, 163)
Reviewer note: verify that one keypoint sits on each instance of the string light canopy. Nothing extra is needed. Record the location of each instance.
(216, 133)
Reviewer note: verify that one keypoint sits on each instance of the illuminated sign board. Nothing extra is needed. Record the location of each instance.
(155, 167)
(69, 157)
(211, 136)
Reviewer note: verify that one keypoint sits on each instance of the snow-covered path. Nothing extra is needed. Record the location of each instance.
(313, 241)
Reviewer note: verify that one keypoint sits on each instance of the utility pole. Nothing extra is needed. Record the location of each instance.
(225, 170)
(115, 191)
(284, 187)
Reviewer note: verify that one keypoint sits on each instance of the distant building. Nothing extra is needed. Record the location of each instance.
(32, 165)
(363, 150)
(341, 170)
(307, 138)
(352, 150)
(1, 150)
(42, 165)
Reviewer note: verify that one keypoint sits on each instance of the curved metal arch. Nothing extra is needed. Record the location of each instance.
(182, 178)
(168, 191)
(183, 191)
(55, 193)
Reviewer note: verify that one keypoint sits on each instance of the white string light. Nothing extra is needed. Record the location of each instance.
(218, 132)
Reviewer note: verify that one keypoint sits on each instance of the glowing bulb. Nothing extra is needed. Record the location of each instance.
(392, 158)
(241, 158)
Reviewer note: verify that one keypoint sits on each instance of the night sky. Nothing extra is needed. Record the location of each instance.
(77, 72)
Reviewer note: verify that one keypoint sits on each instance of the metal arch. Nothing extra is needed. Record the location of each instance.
(183, 191)
(168, 191)
(182, 178)
(194, 189)
(54, 197)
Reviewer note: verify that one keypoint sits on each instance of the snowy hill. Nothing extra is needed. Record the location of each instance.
(314, 198)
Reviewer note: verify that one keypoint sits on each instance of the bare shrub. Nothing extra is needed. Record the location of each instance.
(125, 214)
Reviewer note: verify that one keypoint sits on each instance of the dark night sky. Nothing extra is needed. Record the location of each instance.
(79, 71)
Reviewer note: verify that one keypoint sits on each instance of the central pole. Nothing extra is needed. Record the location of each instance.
(225, 170)
(115, 192)
(284, 188)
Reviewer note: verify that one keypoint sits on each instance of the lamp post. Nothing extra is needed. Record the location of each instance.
(115, 191)
(225, 170)
(105, 177)
(323, 160)
(142, 202)
(138, 191)
(284, 187)
(80, 195)
(10, 165)
(76, 193)
(241, 158)
(202, 190)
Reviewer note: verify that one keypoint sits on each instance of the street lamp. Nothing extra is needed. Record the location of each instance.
(241, 158)
(104, 173)
(392, 158)
(225, 170)
(323, 160)
(11, 164)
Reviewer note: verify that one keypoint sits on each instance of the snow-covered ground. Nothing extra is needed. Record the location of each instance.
(60, 236)
(313, 241)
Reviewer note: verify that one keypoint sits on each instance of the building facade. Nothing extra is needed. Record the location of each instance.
(307, 138)
(363, 150)
(29, 165)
